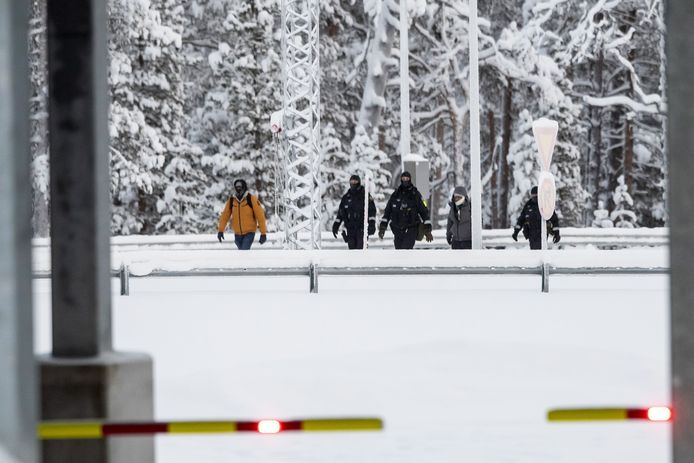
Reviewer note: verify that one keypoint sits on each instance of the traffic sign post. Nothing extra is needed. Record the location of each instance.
(545, 132)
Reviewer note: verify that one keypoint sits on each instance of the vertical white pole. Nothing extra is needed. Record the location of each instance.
(544, 233)
(367, 181)
(475, 169)
(18, 391)
(404, 84)
(680, 97)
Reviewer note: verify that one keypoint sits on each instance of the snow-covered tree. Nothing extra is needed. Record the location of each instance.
(601, 217)
(621, 216)
(236, 84)
(155, 172)
(39, 119)
(193, 83)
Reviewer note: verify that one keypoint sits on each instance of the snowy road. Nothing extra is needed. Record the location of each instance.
(462, 369)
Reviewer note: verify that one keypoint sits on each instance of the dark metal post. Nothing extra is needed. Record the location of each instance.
(545, 277)
(313, 277)
(124, 276)
(80, 204)
(18, 391)
(84, 378)
(680, 57)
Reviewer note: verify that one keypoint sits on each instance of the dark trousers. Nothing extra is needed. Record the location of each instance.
(405, 238)
(355, 239)
(244, 242)
(461, 244)
(535, 243)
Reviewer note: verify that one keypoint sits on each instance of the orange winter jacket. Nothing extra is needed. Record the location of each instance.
(246, 215)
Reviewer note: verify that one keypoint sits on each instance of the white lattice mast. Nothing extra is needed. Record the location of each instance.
(301, 105)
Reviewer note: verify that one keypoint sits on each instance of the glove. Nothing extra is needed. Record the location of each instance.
(263, 238)
(556, 238)
(220, 236)
(372, 227)
(449, 238)
(382, 229)
(336, 227)
(429, 236)
(344, 236)
(516, 230)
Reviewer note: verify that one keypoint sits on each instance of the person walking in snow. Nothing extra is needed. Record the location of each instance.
(530, 222)
(246, 215)
(459, 225)
(406, 211)
(351, 214)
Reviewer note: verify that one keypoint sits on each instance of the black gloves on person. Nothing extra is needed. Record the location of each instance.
(516, 230)
(427, 232)
(449, 238)
(382, 229)
(336, 227)
(220, 236)
(263, 238)
(372, 227)
(556, 238)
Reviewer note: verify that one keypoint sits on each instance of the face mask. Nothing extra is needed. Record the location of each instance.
(353, 186)
(406, 183)
(239, 189)
(460, 202)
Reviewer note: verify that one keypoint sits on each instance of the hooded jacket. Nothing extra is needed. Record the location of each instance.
(246, 215)
(459, 225)
(351, 210)
(405, 209)
(530, 221)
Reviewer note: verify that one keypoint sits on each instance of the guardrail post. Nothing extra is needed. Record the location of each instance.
(313, 276)
(124, 274)
(545, 277)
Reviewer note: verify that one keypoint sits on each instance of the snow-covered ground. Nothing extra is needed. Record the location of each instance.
(461, 368)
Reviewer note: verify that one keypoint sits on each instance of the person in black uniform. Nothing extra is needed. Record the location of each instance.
(351, 213)
(530, 223)
(405, 212)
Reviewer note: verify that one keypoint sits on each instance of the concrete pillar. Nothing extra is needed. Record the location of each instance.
(83, 378)
(18, 392)
(680, 53)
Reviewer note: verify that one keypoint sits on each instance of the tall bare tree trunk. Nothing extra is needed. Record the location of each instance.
(595, 161)
(505, 148)
(40, 219)
(494, 193)
(628, 154)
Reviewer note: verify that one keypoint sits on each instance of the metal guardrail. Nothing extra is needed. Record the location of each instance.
(313, 271)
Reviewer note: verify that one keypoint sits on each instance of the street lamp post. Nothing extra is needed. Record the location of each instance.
(405, 145)
(545, 132)
(475, 167)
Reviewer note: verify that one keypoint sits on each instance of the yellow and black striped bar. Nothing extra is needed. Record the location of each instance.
(50, 430)
(658, 414)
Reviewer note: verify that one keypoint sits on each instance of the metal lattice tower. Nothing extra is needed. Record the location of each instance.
(300, 155)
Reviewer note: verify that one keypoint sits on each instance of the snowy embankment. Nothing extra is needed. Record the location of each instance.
(143, 261)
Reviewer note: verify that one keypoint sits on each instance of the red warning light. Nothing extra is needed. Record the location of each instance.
(659, 414)
(269, 426)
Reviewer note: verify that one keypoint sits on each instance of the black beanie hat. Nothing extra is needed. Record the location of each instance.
(355, 177)
(406, 174)
(533, 190)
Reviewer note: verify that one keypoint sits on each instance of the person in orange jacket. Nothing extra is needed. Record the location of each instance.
(246, 215)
